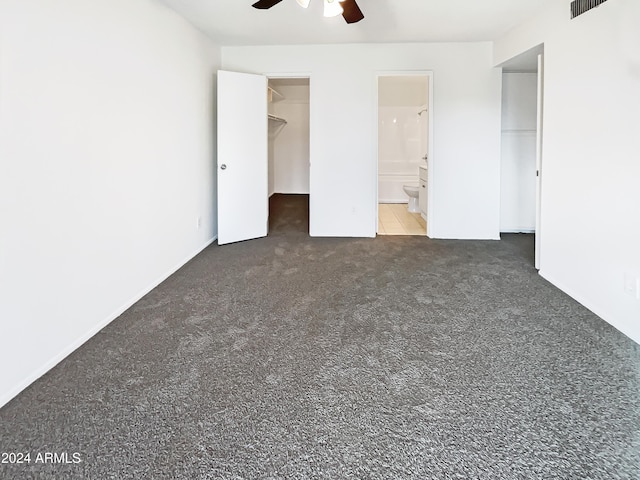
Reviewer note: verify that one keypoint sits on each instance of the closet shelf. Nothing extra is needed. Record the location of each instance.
(276, 119)
(273, 95)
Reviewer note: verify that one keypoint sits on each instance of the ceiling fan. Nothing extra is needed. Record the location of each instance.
(348, 8)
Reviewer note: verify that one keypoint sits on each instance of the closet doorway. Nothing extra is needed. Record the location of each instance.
(288, 154)
(404, 152)
(521, 162)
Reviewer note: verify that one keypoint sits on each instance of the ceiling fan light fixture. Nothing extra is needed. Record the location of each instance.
(332, 8)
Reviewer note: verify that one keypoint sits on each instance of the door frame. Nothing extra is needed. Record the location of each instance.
(539, 143)
(431, 161)
(308, 76)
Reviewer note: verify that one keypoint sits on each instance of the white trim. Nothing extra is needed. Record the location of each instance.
(280, 75)
(519, 132)
(7, 397)
(539, 157)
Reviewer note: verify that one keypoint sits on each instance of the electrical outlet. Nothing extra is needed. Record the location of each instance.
(632, 285)
(199, 221)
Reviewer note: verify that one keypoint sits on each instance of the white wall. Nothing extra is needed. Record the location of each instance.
(399, 140)
(291, 141)
(403, 90)
(106, 151)
(590, 173)
(466, 163)
(518, 178)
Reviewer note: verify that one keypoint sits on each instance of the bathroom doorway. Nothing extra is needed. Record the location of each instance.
(288, 154)
(404, 151)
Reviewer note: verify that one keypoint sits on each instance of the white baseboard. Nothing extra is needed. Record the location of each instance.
(517, 230)
(586, 303)
(7, 397)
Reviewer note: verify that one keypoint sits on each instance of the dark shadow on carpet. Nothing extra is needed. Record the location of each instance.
(288, 214)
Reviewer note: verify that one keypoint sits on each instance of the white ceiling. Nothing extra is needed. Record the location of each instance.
(235, 22)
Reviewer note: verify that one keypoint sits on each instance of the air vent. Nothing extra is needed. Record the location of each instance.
(578, 7)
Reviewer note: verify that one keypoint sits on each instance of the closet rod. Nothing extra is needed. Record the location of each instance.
(276, 119)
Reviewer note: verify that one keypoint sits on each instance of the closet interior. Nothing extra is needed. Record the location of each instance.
(288, 113)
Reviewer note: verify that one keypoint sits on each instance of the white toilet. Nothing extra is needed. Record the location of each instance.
(413, 191)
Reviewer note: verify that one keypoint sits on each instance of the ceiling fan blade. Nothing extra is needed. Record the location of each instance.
(352, 12)
(265, 4)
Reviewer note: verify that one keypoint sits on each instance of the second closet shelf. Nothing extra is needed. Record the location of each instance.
(276, 119)
(273, 95)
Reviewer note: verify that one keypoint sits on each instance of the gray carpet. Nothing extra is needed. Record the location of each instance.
(292, 357)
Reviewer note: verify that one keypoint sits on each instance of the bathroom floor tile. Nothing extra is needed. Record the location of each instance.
(395, 230)
(410, 222)
(395, 219)
(415, 231)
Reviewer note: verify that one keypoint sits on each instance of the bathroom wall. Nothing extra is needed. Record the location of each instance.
(401, 134)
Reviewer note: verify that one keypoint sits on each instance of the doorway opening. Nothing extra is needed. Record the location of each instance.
(521, 162)
(404, 126)
(288, 154)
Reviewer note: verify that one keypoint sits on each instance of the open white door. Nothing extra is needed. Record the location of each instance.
(539, 157)
(243, 199)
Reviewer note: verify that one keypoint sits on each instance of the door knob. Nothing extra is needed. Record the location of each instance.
(223, 167)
